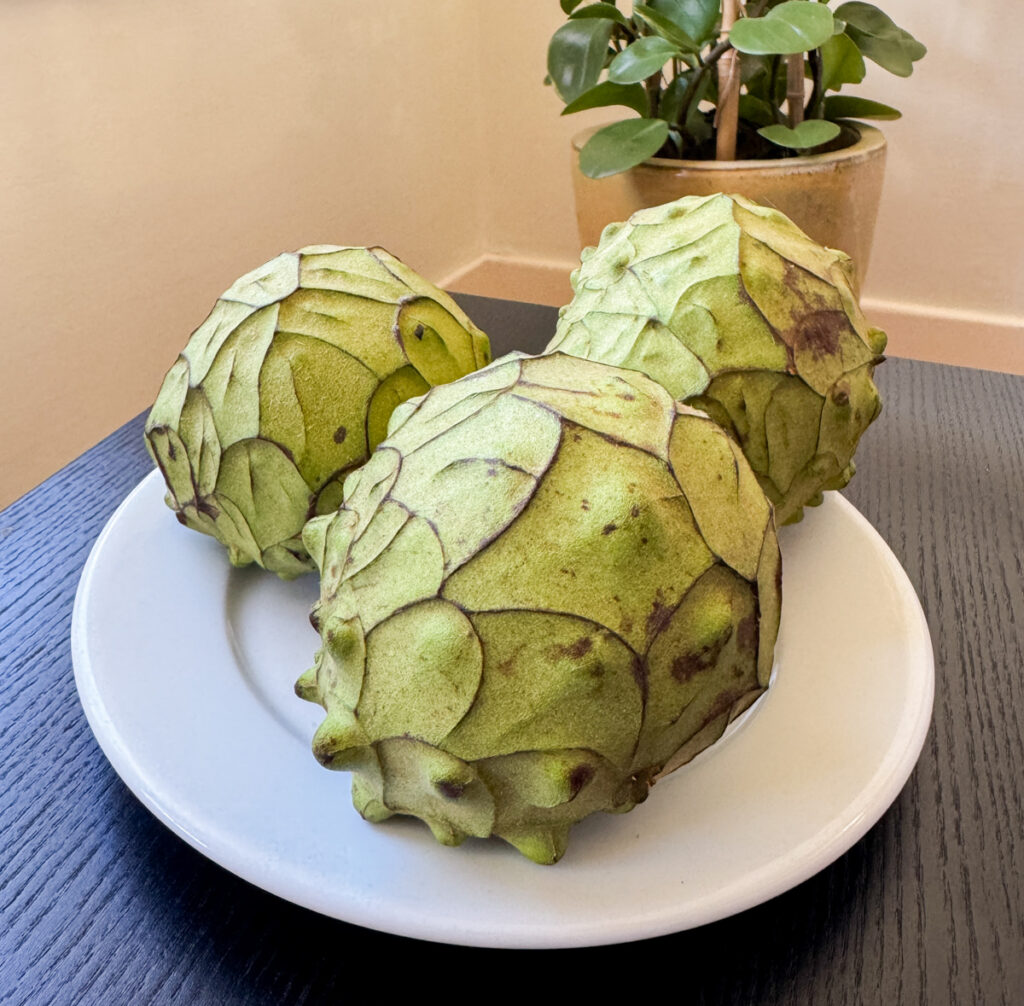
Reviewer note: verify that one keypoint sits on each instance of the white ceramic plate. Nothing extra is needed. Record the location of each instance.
(185, 670)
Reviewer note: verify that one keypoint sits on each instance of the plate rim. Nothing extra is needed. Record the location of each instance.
(825, 846)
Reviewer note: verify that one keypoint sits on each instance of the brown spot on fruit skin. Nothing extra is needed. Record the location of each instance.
(660, 616)
(634, 511)
(578, 778)
(579, 649)
(819, 332)
(722, 705)
(339, 435)
(686, 665)
(608, 528)
(450, 790)
(689, 664)
(418, 331)
(746, 633)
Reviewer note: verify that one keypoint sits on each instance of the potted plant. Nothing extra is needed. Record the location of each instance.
(734, 97)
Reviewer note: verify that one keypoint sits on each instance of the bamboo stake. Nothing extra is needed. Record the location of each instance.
(727, 115)
(795, 88)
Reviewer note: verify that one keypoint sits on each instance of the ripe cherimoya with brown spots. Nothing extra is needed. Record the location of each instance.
(550, 584)
(736, 311)
(287, 387)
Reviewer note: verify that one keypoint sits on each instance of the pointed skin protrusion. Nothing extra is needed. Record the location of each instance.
(549, 582)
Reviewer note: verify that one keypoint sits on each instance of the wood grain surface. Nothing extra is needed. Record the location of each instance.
(99, 903)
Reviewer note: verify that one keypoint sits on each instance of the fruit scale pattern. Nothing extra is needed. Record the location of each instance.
(550, 584)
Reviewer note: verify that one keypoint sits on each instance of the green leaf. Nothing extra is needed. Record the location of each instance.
(890, 54)
(609, 93)
(841, 63)
(755, 110)
(809, 133)
(842, 106)
(880, 39)
(640, 59)
(568, 6)
(671, 108)
(666, 28)
(602, 10)
(793, 26)
(693, 120)
(870, 20)
(697, 124)
(576, 56)
(621, 146)
(754, 74)
(698, 18)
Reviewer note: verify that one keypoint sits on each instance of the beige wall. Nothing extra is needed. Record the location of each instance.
(151, 152)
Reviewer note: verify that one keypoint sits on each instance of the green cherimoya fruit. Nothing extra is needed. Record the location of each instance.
(548, 585)
(289, 385)
(734, 310)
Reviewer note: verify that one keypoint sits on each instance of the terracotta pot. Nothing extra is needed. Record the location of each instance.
(832, 196)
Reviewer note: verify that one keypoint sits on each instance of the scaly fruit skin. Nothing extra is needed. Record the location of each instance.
(548, 585)
(734, 310)
(289, 385)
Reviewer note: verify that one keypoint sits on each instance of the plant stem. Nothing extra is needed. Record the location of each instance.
(795, 88)
(773, 78)
(622, 36)
(652, 85)
(714, 55)
(815, 104)
(727, 115)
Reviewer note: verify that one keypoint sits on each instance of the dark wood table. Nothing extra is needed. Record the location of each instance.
(99, 903)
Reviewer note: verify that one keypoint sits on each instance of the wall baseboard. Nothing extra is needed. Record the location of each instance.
(979, 339)
(523, 279)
